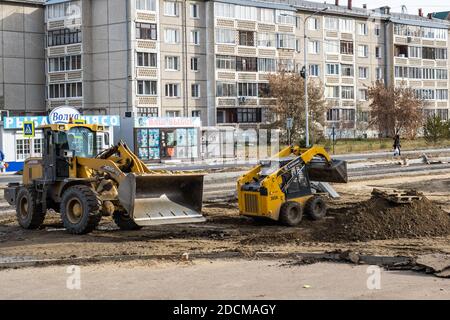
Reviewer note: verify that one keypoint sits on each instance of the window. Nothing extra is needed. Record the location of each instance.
(246, 38)
(331, 23)
(286, 65)
(441, 74)
(267, 65)
(377, 30)
(56, 91)
(347, 25)
(37, 147)
(441, 94)
(348, 114)
(248, 64)
(194, 64)
(363, 94)
(148, 5)
(146, 31)
(332, 91)
(286, 17)
(347, 70)
(246, 13)
(63, 37)
(441, 54)
(347, 92)
(23, 149)
(428, 53)
(172, 114)
(401, 72)
(226, 89)
(226, 62)
(247, 89)
(196, 113)
(425, 94)
(62, 10)
(172, 35)
(266, 39)
(195, 37)
(225, 36)
(286, 41)
(194, 10)
(74, 90)
(332, 69)
(346, 47)
(333, 115)
(266, 15)
(171, 8)
(147, 59)
(363, 116)
(331, 46)
(313, 24)
(172, 63)
(147, 112)
(443, 114)
(248, 115)
(378, 73)
(263, 90)
(225, 10)
(362, 29)
(172, 90)
(195, 90)
(147, 88)
(415, 73)
(363, 72)
(67, 63)
(428, 73)
(314, 70)
(363, 51)
(314, 47)
(378, 52)
(415, 52)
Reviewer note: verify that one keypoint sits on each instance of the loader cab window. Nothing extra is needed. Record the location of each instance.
(82, 141)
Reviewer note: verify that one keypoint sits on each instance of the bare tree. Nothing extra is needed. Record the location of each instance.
(395, 110)
(288, 89)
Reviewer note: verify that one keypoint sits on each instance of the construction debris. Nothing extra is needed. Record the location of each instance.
(398, 196)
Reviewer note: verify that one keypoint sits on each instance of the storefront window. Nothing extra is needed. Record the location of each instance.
(148, 144)
(37, 145)
(23, 150)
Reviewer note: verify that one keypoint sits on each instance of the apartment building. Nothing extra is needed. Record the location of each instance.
(22, 73)
(211, 59)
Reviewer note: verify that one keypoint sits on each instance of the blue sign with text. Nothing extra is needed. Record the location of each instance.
(18, 122)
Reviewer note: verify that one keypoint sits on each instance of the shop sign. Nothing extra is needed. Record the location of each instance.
(17, 122)
(167, 122)
(63, 114)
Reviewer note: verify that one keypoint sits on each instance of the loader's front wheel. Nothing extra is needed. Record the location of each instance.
(80, 209)
(291, 213)
(124, 221)
(29, 212)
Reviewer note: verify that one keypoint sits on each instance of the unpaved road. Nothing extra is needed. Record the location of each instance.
(226, 279)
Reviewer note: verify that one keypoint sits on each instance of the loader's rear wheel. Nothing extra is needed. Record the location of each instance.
(124, 221)
(29, 212)
(80, 209)
(291, 213)
(316, 208)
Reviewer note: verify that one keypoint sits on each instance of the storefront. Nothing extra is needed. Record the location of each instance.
(17, 148)
(163, 139)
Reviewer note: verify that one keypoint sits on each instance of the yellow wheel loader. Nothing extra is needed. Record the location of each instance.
(83, 186)
(280, 188)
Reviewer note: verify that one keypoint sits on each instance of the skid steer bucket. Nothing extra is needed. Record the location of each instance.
(321, 171)
(156, 199)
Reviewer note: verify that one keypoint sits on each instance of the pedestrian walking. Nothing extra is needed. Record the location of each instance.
(397, 145)
(2, 161)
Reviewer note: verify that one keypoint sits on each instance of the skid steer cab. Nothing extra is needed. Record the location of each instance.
(280, 189)
(83, 185)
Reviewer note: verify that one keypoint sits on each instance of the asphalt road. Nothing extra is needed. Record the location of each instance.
(229, 279)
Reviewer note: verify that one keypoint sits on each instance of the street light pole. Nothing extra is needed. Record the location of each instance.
(305, 56)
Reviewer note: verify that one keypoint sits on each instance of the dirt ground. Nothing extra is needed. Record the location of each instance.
(227, 232)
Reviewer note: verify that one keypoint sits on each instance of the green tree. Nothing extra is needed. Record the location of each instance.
(435, 129)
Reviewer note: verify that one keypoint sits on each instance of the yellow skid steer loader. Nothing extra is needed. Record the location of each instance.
(73, 179)
(280, 189)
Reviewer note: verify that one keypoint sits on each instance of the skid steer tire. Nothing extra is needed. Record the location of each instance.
(29, 211)
(291, 213)
(124, 221)
(80, 209)
(316, 208)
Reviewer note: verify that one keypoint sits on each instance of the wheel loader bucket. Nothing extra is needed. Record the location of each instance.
(321, 171)
(155, 199)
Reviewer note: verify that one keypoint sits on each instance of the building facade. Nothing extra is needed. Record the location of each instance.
(211, 59)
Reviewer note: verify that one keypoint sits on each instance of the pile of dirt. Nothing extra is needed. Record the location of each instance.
(381, 219)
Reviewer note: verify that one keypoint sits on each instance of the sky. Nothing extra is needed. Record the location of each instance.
(412, 5)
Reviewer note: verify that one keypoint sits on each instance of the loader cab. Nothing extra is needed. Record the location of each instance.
(61, 144)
